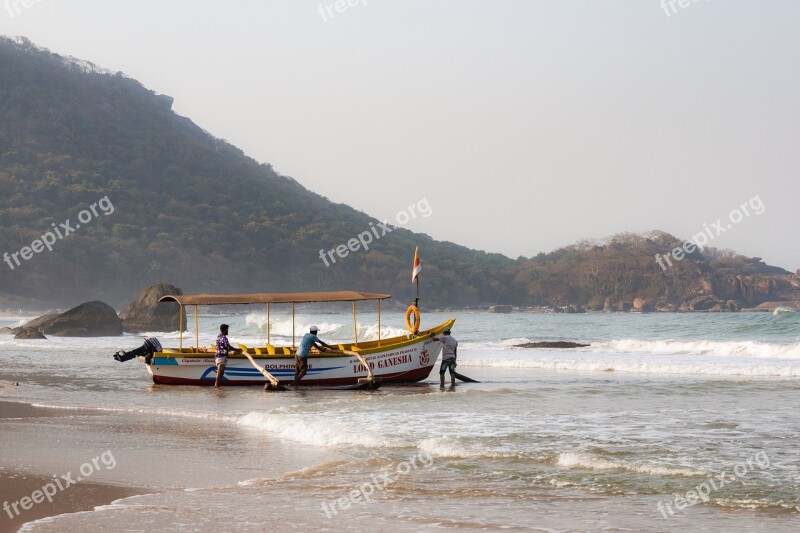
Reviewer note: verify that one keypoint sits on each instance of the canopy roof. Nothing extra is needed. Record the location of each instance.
(273, 298)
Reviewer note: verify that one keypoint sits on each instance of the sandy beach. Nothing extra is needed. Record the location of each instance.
(91, 457)
(80, 497)
(21, 481)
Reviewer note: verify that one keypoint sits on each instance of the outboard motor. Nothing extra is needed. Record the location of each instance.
(150, 346)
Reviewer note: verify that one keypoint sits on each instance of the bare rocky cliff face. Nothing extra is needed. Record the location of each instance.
(754, 290)
(731, 292)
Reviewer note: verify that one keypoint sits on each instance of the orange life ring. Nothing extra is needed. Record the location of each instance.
(413, 310)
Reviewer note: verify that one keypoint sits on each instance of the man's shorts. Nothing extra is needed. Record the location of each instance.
(448, 363)
(301, 363)
(221, 360)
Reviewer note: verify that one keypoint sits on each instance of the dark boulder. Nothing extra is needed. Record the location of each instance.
(704, 303)
(551, 344)
(29, 333)
(42, 321)
(146, 314)
(91, 319)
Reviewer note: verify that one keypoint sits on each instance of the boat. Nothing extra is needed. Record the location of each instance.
(402, 359)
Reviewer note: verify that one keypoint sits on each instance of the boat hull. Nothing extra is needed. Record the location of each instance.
(407, 361)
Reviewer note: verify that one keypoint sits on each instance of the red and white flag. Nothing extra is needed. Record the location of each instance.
(417, 267)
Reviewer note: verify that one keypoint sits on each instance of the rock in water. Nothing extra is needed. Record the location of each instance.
(704, 303)
(91, 319)
(29, 333)
(42, 321)
(552, 344)
(146, 314)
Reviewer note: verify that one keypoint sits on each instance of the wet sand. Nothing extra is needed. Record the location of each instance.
(83, 496)
(17, 483)
(163, 455)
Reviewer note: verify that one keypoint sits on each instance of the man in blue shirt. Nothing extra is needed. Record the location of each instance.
(301, 357)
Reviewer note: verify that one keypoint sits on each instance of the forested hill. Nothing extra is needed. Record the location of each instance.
(158, 199)
(189, 209)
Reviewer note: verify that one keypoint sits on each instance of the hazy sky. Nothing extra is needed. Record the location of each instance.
(527, 125)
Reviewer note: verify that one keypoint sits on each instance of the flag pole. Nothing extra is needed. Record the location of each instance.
(415, 277)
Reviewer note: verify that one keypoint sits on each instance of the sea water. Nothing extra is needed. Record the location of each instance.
(667, 422)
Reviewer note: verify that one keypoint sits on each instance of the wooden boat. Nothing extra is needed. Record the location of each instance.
(403, 359)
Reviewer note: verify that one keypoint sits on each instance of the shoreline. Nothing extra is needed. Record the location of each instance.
(18, 486)
(42, 445)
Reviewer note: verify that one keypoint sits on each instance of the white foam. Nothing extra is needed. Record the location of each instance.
(642, 365)
(591, 462)
(311, 430)
(451, 447)
(369, 332)
(116, 505)
(257, 323)
(703, 347)
(179, 413)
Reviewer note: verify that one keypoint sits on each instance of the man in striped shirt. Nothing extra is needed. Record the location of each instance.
(223, 348)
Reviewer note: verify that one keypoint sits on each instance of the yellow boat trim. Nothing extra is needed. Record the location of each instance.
(279, 352)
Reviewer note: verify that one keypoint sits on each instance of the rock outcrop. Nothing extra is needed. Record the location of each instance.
(39, 323)
(704, 303)
(91, 319)
(665, 307)
(146, 314)
(751, 291)
(551, 344)
(29, 333)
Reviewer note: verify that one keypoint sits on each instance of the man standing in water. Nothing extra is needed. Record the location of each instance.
(301, 357)
(223, 348)
(449, 354)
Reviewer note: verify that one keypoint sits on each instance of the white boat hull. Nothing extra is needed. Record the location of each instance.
(404, 362)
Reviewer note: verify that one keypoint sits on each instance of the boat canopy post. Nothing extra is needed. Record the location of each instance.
(292, 324)
(180, 320)
(379, 322)
(268, 342)
(355, 326)
(196, 330)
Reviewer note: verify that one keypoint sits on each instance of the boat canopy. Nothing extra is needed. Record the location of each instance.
(272, 298)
